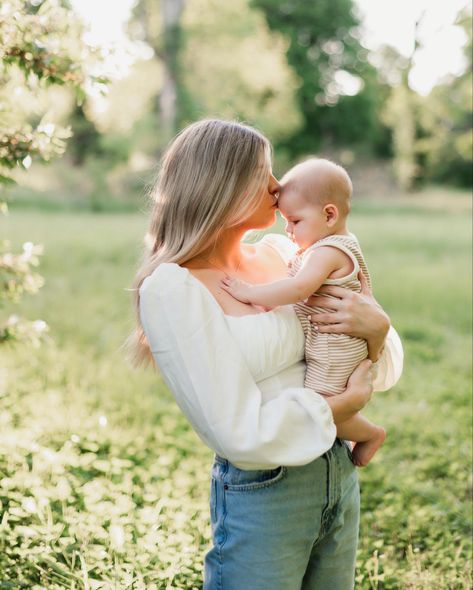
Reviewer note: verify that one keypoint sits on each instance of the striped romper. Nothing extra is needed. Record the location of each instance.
(331, 358)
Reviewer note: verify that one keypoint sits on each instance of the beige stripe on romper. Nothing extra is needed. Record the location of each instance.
(331, 358)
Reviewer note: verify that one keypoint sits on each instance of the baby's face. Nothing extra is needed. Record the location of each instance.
(305, 222)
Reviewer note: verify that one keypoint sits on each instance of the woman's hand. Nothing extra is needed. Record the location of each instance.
(360, 385)
(355, 314)
(356, 395)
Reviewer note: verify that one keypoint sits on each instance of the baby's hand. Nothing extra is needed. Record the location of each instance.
(237, 288)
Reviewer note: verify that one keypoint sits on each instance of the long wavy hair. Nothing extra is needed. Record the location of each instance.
(208, 181)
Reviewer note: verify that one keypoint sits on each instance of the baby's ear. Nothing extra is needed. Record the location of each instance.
(331, 214)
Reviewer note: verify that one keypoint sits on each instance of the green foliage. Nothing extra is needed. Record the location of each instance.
(17, 277)
(223, 76)
(401, 112)
(432, 136)
(293, 91)
(220, 78)
(34, 37)
(324, 51)
(159, 25)
(17, 148)
(445, 118)
(86, 137)
(42, 40)
(105, 486)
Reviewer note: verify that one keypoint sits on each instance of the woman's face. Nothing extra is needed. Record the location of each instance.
(265, 212)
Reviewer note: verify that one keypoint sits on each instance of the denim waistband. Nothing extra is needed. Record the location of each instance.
(223, 461)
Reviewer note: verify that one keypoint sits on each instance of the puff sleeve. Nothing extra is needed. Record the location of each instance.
(390, 363)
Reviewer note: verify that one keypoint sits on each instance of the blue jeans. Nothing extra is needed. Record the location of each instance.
(287, 528)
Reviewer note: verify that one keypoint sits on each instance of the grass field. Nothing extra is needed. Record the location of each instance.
(104, 486)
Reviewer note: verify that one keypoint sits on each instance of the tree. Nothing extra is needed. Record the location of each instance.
(335, 94)
(223, 78)
(401, 114)
(162, 31)
(40, 45)
(216, 70)
(86, 136)
(446, 122)
(431, 136)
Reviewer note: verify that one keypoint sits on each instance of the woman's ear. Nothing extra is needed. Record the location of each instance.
(331, 214)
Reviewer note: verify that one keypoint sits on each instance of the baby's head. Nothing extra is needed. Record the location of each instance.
(315, 200)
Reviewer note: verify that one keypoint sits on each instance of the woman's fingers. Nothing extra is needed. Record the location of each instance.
(335, 291)
(338, 296)
(365, 288)
(364, 367)
(362, 378)
(325, 318)
(326, 302)
(332, 328)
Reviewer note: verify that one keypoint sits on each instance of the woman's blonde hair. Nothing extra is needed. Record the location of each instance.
(208, 181)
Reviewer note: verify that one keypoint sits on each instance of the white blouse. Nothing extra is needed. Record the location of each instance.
(240, 380)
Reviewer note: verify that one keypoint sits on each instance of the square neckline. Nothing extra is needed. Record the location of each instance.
(268, 242)
(201, 285)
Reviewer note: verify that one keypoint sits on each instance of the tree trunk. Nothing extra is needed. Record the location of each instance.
(171, 11)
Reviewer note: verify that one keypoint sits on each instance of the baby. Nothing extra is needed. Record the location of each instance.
(315, 201)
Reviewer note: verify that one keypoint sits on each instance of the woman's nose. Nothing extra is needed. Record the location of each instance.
(274, 187)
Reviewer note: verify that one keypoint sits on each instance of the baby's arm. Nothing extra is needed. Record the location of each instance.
(317, 266)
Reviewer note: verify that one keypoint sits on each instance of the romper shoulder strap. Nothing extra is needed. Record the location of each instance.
(350, 246)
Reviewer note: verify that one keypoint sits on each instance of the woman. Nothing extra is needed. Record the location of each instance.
(284, 497)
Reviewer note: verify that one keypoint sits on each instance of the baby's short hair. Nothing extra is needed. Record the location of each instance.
(321, 181)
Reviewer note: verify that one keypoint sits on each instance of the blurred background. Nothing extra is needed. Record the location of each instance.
(384, 88)
(103, 484)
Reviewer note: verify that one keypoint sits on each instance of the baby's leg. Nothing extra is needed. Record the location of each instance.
(368, 437)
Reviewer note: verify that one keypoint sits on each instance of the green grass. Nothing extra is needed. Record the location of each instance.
(104, 485)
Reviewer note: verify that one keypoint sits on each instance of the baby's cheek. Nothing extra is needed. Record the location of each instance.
(301, 240)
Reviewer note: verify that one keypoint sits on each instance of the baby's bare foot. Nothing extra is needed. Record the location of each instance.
(363, 452)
